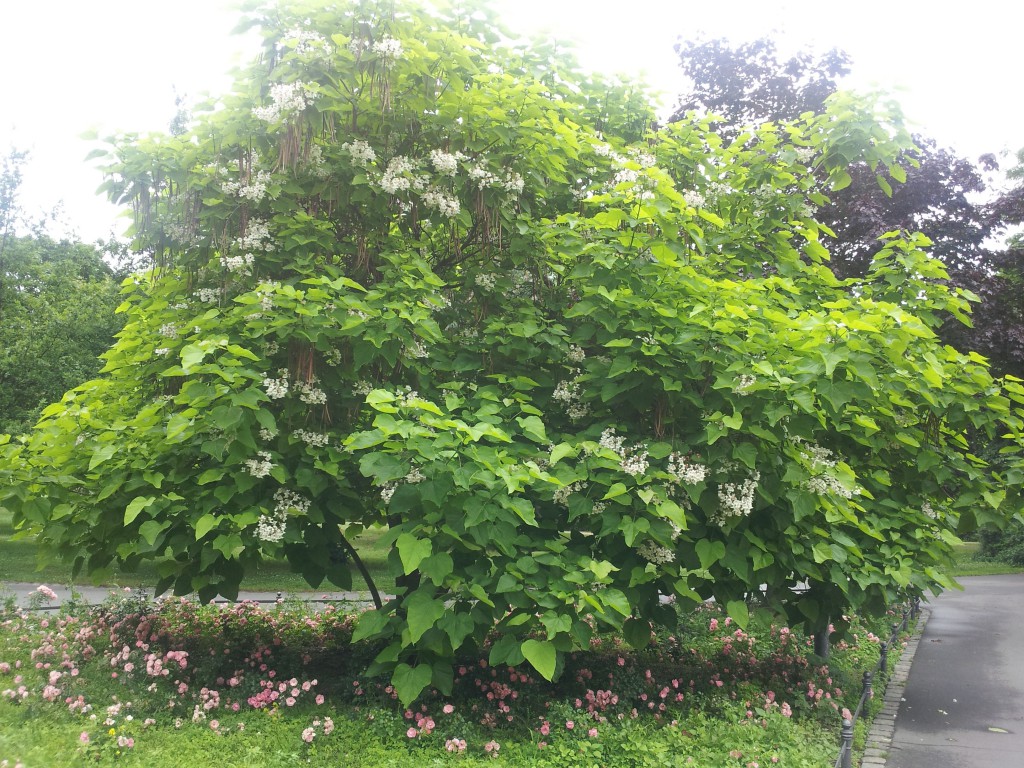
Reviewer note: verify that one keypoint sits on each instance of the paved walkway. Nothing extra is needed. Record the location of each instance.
(963, 704)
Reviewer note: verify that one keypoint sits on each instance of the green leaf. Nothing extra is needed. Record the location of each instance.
(542, 656)
(135, 507)
(410, 682)
(709, 552)
(412, 551)
(637, 633)
(205, 524)
(150, 529)
(739, 612)
(422, 612)
(102, 454)
(370, 625)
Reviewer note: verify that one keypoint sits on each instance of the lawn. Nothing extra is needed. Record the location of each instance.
(20, 560)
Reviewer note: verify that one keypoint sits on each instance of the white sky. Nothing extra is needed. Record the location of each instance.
(72, 65)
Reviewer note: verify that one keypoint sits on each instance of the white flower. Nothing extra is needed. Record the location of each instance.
(387, 491)
(161, 351)
(275, 388)
(267, 434)
(314, 439)
(693, 199)
(737, 499)
(447, 205)
(256, 238)
(445, 163)
(575, 354)
(287, 501)
(361, 152)
(486, 280)
(744, 383)
(208, 295)
(569, 393)
(634, 462)
(655, 553)
(253, 188)
(513, 183)
(239, 264)
(310, 394)
(261, 466)
(388, 48)
(395, 178)
(285, 98)
(611, 441)
(169, 330)
(271, 528)
(481, 178)
(684, 471)
(415, 476)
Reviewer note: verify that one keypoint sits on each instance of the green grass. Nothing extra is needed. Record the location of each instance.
(20, 561)
(968, 562)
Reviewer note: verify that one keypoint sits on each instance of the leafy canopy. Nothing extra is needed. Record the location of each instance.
(412, 276)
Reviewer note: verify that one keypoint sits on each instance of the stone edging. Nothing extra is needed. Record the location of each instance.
(879, 739)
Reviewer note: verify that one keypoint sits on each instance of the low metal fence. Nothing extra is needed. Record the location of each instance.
(845, 758)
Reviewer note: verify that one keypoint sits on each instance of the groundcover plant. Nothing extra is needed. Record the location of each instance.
(179, 683)
(410, 275)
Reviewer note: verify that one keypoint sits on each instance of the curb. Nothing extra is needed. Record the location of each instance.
(879, 738)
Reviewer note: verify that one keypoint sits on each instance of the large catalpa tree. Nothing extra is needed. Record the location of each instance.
(409, 276)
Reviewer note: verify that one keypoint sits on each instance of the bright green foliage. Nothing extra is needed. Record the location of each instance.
(56, 319)
(412, 277)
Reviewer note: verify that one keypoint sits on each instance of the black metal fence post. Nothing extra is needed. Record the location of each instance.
(846, 744)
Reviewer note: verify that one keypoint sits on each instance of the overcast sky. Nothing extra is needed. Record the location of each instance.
(114, 65)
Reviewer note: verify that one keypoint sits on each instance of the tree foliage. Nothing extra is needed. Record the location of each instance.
(411, 276)
(941, 196)
(57, 301)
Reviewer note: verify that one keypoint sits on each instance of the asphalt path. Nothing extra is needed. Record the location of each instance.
(963, 706)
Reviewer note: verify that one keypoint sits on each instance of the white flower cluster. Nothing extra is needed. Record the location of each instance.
(310, 394)
(387, 491)
(927, 510)
(260, 466)
(744, 383)
(271, 528)
(314, 439)
(162, 351)
(561, 496)
(286, 501)
(568, 393)
(415, 476)
(267, 434)
(238, 264)
(388, 48)
(694, 199)
(275, 388)
(737, 499)
(633, 460)
(653, 552)
(360, 151)
(486, 280)
(418, 350)
(169, 331)
(447, 205)
(804, 154)
(396, 177)
(814, 454)
(306, 42)
(208, 295)
(316, 164)
(513, 183)
(285, 98)
(253, 188)
(256, 238)
(575, 354)
(689, 473)
(362, 388)
(826, 484)
(612, 441)
(445, 163)
(481, 178)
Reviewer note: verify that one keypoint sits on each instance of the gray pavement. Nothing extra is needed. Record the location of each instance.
(963, 704)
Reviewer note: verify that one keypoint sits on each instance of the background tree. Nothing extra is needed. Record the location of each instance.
(57, 301)
(409, 276)
(941, 196)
